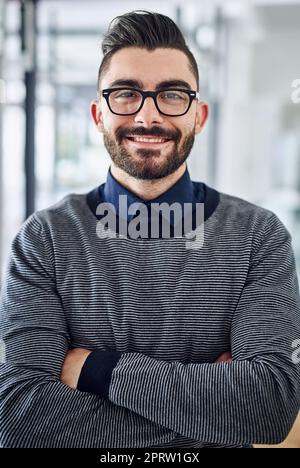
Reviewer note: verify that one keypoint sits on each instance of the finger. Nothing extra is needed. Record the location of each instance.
(225, 357)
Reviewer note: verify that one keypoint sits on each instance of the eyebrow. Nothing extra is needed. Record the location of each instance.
(162, 85)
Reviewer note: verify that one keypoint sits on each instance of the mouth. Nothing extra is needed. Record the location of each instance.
(147, 142)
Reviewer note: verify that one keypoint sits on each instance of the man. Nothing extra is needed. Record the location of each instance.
(118, 340)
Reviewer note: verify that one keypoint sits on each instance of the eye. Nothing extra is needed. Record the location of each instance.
(127, 94)
(172, 96)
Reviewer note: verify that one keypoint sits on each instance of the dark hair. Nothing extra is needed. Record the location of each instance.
(149, 30)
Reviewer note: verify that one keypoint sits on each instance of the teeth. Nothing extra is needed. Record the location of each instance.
(149, 140)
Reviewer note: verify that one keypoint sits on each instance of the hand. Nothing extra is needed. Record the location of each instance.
(72, 366)
(226, 357)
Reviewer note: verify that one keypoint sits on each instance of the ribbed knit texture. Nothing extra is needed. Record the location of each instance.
(172, 312)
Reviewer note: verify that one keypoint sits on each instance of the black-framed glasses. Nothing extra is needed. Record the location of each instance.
(128, 101)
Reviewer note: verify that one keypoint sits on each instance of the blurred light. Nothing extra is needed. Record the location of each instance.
(45, 93)
(2, 92)
(15, 92)
(245, 15)
(236, 9)
(205, 37)
(12, 15)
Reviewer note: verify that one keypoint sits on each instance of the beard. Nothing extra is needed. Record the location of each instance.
(148, 164)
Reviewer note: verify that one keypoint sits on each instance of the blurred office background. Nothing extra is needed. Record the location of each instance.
(249, 58)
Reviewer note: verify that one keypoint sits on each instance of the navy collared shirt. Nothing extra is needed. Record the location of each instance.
(183, 192)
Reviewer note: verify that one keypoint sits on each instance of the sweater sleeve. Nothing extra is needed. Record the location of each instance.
(36, 409)
(255, 399)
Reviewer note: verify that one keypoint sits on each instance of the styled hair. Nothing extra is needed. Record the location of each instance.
(145, 29)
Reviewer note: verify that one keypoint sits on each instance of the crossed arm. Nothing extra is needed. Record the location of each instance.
(254, 399)
(76, 358)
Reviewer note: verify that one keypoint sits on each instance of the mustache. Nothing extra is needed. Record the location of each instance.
(153, 131)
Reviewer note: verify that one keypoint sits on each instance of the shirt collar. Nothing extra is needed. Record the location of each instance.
(181, 192)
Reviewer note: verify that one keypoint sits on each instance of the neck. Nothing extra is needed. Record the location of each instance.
(147, 189)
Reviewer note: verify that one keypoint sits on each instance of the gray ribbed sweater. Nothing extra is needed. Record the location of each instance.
(171, 312)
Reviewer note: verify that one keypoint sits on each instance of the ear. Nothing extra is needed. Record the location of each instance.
(202, 113)
(97, 114)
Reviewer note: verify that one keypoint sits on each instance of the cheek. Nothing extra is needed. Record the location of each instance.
(187, 128)
(112, 123)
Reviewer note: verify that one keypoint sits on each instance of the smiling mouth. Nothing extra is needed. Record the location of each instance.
(147, 141)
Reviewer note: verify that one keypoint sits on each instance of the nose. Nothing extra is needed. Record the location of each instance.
(148, 114)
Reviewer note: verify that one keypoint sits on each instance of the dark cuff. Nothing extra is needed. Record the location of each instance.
(96, 372)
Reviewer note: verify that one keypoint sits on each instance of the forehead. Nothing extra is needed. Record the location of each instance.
(149, 67)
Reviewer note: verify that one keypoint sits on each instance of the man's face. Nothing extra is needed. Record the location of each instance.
(148, 160)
